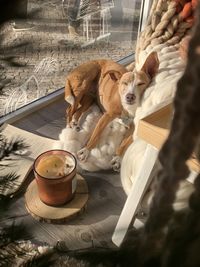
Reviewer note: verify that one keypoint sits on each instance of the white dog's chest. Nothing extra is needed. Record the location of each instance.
(126, 118)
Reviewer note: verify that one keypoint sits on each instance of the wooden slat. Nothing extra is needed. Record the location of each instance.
(154, 129)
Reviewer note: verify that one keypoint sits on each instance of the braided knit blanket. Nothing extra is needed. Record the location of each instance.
(168, 22)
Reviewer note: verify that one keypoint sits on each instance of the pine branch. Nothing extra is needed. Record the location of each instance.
(16, 249)
(12, 255)
(9, 147)
(8, 181)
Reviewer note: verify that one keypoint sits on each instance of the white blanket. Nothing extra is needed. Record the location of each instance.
(160, 93)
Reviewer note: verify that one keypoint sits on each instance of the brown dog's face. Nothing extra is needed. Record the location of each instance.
(132, 85)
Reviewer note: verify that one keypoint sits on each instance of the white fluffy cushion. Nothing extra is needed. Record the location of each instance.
(100, 157)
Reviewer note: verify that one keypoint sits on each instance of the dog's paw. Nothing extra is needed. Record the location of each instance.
(116, 163)
(70, 99)
(83, 154)
(78, 128)
(74, 125)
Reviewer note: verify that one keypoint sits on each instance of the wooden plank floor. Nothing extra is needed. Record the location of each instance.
(106, 196)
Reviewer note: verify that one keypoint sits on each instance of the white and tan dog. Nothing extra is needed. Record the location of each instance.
(119, 95)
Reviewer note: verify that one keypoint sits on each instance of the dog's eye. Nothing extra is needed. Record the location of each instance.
(125, 83)
(141, 83)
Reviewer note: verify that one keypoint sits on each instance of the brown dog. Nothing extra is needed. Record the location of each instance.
(119, 95)
(82, 86)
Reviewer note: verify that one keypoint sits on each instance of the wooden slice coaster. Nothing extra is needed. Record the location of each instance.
(49, 214)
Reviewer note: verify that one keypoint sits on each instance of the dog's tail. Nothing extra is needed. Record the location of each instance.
(68, 93)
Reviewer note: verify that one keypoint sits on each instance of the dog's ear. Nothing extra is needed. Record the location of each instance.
(151, 65)
(131, 66)
(114, 75)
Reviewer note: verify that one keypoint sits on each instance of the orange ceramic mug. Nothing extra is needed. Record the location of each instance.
(55, 174)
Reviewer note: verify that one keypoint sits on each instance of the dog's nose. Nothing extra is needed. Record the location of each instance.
(130, 97)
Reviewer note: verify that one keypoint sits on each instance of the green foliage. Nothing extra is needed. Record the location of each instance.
(9, 147)
(8, 181)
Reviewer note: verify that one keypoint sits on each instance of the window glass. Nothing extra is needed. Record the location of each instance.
(53, 37)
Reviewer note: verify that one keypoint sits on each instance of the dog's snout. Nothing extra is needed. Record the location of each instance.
(130, 97)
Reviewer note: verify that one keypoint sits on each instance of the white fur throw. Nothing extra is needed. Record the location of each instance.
(100, 157)
(160, 93)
